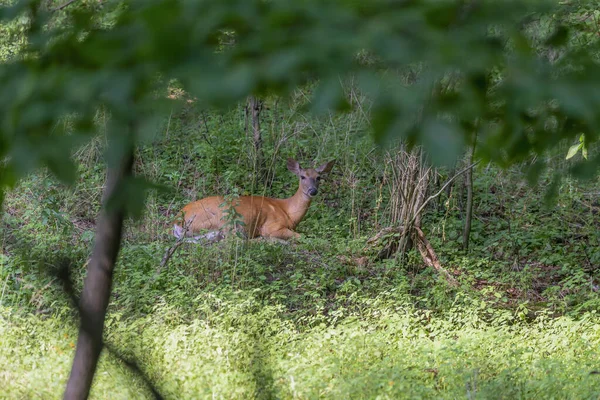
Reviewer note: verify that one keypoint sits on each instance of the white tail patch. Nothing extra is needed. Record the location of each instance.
(178, 231)
(209, 237)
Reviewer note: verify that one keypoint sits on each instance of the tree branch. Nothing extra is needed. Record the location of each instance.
(64, 5)
(431, 258)
(433, 196)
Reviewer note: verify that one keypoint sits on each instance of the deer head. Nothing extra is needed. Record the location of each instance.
(309, 178)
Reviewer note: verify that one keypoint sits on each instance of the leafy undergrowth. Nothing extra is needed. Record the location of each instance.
(248, 349)
(266, 320)
(318, 318)
(35, 360)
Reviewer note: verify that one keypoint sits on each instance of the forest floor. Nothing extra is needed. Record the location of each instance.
(319, 317)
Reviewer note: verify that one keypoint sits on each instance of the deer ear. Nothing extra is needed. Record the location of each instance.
(293, 166)
(325, 168)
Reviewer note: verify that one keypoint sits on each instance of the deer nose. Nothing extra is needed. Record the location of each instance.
(312, 191)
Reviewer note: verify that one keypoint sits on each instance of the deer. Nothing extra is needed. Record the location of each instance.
(265, 217)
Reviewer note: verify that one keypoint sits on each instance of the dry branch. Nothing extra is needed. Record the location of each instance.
(430, 257)
(433, 196)
(64, 5)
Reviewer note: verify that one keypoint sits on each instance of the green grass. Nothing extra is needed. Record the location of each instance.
(35, 360)
(296, 321)
(309, 319)
(317, 318)
(246, 349)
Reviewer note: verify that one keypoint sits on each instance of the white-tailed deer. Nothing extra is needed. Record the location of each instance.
(262, 216)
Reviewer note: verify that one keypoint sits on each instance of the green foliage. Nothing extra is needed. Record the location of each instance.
(582, 145)
(36, 355)
(12, 36)
(233, 220)
(315, 318)
(246, 349)
(431, 70)
(311, 318)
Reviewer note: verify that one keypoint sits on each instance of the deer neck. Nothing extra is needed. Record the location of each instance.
(297, 206)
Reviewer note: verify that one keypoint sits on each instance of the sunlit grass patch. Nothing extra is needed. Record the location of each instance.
(36, 356)
(247, 351)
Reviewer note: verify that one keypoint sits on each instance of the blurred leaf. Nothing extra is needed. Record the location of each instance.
(559, 37)
(442, 140)
(552, 191)
(131, 196)
(587, 169)
(573, 150)
(429, 69)
(329, 96)
(62, 167)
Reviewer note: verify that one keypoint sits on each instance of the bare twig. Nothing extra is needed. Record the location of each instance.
(469, 206)
(64, 5)
(183, 237)
(169, 253)
(433, 196)
(180, 240)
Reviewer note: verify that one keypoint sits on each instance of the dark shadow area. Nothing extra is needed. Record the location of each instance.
(261, 370)
(63, 273)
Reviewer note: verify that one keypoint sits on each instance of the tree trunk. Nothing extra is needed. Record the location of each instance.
(98, 282)
(254, 108)
(469, 206)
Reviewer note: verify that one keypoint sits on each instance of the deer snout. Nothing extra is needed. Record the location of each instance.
(312, 191)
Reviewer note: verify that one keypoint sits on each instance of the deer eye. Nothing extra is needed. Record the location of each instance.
(318, 178)
(303, 177)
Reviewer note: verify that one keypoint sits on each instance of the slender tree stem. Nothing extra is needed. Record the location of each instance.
(98, 282)
(469, 208)
(64, 5)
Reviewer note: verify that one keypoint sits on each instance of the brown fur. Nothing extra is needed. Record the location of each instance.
(262, 216)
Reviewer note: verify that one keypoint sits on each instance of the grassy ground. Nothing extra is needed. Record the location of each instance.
(35, 360)
(235, 344)
(318, 318)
